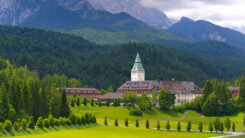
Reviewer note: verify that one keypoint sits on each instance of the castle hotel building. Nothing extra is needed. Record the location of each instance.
(184, 91)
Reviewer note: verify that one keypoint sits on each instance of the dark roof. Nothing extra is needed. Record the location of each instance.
(140, 85)
(82, 89)
(112, 95)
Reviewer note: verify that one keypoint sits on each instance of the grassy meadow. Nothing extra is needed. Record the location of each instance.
(120, 132)
(154, 115)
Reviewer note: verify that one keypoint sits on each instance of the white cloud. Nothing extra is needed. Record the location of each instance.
(227, 13)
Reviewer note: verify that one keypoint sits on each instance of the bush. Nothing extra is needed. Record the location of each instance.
(62, 121)
(40, 122)
(56, 122)
(116, 123)
(46, 123)
(73, 119)
(178, 108)
(23, 123)
(68, 122)
(16, 125)
(136, 112)
(126, 122)
(31, 123)
(137, 123)
(83, 120)
(147, 124)
(51, 121)
(105, 121)
(7, 125)
(189, 126)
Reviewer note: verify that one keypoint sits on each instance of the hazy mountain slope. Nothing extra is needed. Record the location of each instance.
(49, 52)
(203, 30)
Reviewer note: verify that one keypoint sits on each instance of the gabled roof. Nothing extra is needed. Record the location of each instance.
(112, 95)
(137, 64)
(140, 85)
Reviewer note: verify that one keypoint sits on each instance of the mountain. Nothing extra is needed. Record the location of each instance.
(80, 18)
(100, 66)
(203, 30)
(150, 16)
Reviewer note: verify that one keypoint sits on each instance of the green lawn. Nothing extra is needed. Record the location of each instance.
(121, 113)
(237, 137)
(121, 132)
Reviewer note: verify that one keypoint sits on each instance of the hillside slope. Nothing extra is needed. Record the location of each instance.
(50, 52)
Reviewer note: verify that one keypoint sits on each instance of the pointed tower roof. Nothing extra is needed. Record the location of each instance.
(137, 64)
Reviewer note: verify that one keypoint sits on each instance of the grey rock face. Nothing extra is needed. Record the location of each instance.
(150, 16)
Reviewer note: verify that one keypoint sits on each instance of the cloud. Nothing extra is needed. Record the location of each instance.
(228, 13)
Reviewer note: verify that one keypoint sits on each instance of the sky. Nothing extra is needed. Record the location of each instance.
(227, 13)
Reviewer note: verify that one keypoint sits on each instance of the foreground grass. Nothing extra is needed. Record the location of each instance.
(38, 131)
(120, 132)
(154, 115)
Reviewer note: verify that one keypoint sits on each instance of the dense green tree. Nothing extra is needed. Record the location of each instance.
(137, 123)
(92, 102)
(31, 123)
(107, 103)
(83, 120)
(144, 102)
(221, 128)
(147, 124)
(85, 101)
(126, 122)
(210, 128)
(208, 89)
(166, 100)
(233, 127)
(72, 102)
(217, 125)
(51, 120)
(40, 122)
(168, 126)
(154, 97)
(242, 94)
(4, 105)
(179, 127)
(7, 125)
(100, 104)
(105, 121)
(158, 125)
(228, 124)
(116, 123)
(65, 109)
(23, 123)
(200, 126)
(211, 106)
(78, 101)
(189, 126)
(46, 123)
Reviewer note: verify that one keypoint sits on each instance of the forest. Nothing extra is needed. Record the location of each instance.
(101, 66)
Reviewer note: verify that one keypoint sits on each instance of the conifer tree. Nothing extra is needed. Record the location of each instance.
(116, 123)
(200, 126)
(179, 127)
(147, 124)
(78, 102)
(72, 103)
(234, 127)
(83, 120)
(217, 125)
(31, 123)
(65, 109)
(228, 124)
(168, 126)
(158, 125)
(5, 106)
(107, 103)
(40, 122)
(242, 94)
(105, 121)
(51, 120)
(44, 103)
(221, 127)
(189, 126)
(100, 104)
(137, 123)
(92, 102)
(210, 127)
(85, 101)
(126, 122)
(244, 121)
(23, 123)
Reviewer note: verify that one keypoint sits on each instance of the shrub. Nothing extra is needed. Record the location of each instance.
(100, 104)
(83, 120)
(136, 112)
(40, 122)
(31, 123)
(7, 125)
(116, 123)
(78, 101)
(200, 127)
(178, 108)
(137, 123)
(168, 126)
(126, 122)
(87, 118)
(23, 123)
(68, 122)
(234, 127)
(78, 120)
(51, 121)
(210, 127)
(94, 119)
(179, 127)
(16, 125)
(189, 126)
(107, 103)
(158, 125)
(46, 123)
(105, 121)
(56, 122)
(62, 121)
(92, 102)
(147, 124)
(1, 126)
(73, 119)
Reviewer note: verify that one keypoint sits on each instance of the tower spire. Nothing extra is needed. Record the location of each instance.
(137, 72)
